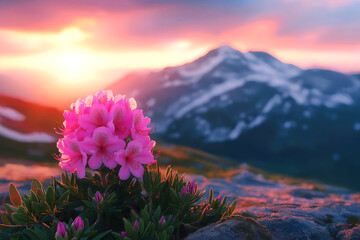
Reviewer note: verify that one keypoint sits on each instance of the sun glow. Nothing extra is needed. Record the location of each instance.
(70, 65)
(68, 57)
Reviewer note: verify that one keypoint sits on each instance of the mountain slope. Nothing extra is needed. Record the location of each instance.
(27, 129)
(252, 107)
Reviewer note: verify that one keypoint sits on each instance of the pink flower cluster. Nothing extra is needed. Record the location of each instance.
(108, 130)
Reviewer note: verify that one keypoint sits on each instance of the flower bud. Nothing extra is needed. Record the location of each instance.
(136, 225)
(184, 191)
(192, 188)
(162, 221)
(124, 234)
(61, 230)
(98, 197)
(78, 223)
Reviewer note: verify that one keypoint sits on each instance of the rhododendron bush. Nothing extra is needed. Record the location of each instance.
(103, 130)
(124, 195)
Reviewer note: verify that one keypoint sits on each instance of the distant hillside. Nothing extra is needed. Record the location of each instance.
(254, 108)
(27, 129)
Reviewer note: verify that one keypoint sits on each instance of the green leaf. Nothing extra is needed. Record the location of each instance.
(36, 208)
(50, 196)
(145, 216)
(64, 196)
(232, 207)
(15, 196)
(10, 209)
(129, 228)
(211, 194)
(117, 235)
(141, 225)
(21, 218)
(5, 219)
(157, 213)
(163, 235)
(5, 226)
(35, 185)
(170, 230)
(101, 235)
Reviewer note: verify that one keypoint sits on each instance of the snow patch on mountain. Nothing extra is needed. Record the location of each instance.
(193, 72)
(276, 100)
(201, 99)
(201, 69)
(37, 137)
(239, 128)
(338, 98)
(11, 114)
(289, 124)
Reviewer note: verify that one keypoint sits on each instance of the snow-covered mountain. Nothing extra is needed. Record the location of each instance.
(27, 129)
(255, 108)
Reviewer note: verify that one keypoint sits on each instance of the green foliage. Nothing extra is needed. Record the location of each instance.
(155, 207)
(353, 220)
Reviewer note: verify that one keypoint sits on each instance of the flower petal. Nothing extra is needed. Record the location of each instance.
(120, 157)
(81, 171)
(115, 144)
(110, 163)
(95, 161)
(99, 114)
(86, 122)
(137, 170)
(133, 148)
(89, 146)
(124, 172)
(101, 136)
(144, 158)
(84, 158)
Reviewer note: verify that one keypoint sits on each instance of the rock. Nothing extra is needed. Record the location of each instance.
(350, 233)
(232, 228)
(285, 228)
(287, 211)
(308, 193)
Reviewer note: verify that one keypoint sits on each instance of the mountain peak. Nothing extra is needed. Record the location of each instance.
(226, 49)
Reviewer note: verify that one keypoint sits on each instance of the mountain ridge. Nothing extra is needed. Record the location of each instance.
(253, 107)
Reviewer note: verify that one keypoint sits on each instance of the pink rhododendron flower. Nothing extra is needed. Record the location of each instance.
(140, 131)
(70, 123)
(132, 158)
(103, 129)
(98, 116)
(102, 146)
(122, 118)
(72, 157)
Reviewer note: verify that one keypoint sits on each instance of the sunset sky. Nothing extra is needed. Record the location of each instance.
(70, 43)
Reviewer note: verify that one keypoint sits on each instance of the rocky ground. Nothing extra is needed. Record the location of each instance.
(278, 210)
(270, 207)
